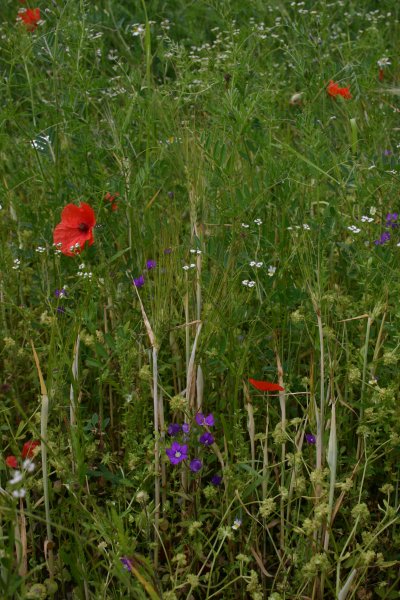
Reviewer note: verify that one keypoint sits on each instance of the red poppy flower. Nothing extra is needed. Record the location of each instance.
(30, 17)
(266, 386)
(334, 90)
(12, 462)
(113, 199)
(28, 449)
(75, 229)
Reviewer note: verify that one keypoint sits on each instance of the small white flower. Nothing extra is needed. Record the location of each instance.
(383, 62)
(236, 524)
(40, 249)
(354, 229)
(366, 219)
(19, 493)
(195, 251)
(245, 225)
(271, 270)
(259, 265)
(252, 263)
(137, 29)
(306, 226)
(81, 266)
(17, 478)
(258, 221)
(28, 465)
(372, 210)
(251, 284)
(245, 282)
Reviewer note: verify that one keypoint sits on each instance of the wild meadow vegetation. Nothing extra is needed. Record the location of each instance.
(199, 284)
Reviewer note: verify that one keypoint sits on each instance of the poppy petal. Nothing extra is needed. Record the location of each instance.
(266, 386)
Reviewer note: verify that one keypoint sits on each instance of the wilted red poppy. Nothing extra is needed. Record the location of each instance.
(28, 449)
(12, 462)
(30, 17)
(333, 90)
(113, 199)
(266, 386)
(75, 229)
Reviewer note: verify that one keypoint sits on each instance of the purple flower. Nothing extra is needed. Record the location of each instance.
(391, 220)
(185, 427)
(138, 281)
(385, 237)
(61, 310)
(60, 293)
(173, 429)
(177, 453)
(167, 250)
(196, 465)
(202, 420)
(126, 563)
(310, 438)
(150, 264)
(216, 480)
(207, 439)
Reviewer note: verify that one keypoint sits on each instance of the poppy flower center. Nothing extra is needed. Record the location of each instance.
(83, 227)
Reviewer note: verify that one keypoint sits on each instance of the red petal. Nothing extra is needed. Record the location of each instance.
(12, 462)
(29, 448)
(73, 215)
(266, 386)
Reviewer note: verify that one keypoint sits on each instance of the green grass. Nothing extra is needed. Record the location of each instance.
(191, 123)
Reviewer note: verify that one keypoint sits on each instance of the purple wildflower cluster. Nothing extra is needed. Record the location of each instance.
(179, 452)
(139, 282)
(390, 223)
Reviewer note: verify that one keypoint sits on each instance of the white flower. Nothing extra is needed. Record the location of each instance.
(383, 62)
(81, 266)
(258, 221)
(195, 251)
(187, 267)
(137, 29)
(236, 524)
(253, 263)
(248, 283)
(271, 270)
(17, 478)
(40, 249)
(306, 227)
(372, 210)
(28, 465)
(366, 219)
(19, 493)
(245, 225)
(354, 229)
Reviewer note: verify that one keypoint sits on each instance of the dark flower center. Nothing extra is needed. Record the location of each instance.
(83, 227)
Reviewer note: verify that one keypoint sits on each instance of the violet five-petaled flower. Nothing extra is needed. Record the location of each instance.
(310, 438)
(174, 429)
(202, 420)
(150, 264)
(177, 453)
(207, 439)
(196, 465)
(185, 427)
(138, 281)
